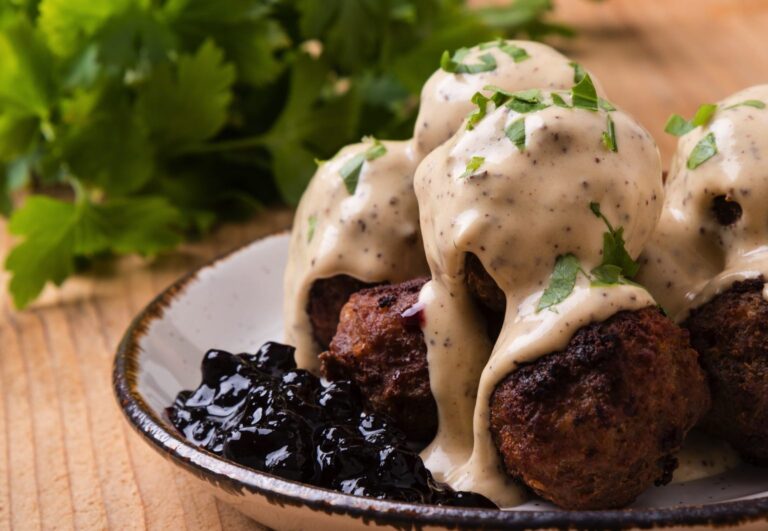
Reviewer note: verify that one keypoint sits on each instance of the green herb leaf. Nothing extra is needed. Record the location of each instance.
(614, 251)
(526, 101)
(515, 52)
(57, 232)
(757, 104)
(561, 282)
(584, 94)
(478, 114)
(558, 100)
(704, 150)
(606, 105)
(609, 136)
(516, 133)
(311, 226)
(350, 171)
(453, 64)
(678, 126)
(472, 166)
(578, 72)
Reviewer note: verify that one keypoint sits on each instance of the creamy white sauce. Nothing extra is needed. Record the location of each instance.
(517, 213)
(691, 257)
(446, 97)
(372, 235)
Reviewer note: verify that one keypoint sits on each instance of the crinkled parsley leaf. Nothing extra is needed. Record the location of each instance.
(704, 150)
(479, 113)
(517, 53)
(561, 282)
(56, 232)
(578, 72)
(584, 94)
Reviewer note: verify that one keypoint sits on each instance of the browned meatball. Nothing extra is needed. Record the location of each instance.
(731, 334)
(482, 285)
(326, 298)
(593, 426)
(385, 355)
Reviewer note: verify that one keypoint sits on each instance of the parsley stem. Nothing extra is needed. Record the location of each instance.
(230, 145)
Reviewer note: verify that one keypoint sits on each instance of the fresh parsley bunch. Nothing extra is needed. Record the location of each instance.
(133, 124)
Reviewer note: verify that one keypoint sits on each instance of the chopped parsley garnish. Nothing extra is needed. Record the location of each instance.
(678, 126)
(526, 101)
(578, 72)
(311, 226)
(516, 133)
(609, 136)
(704, 150)
(350, 171)
(757, 104)
(515, 52)
(454, 65)
(615, 254)
(584, 94)
(478, 114)
(561, 282)
(558, 100)
(472, 166)
(617, 267)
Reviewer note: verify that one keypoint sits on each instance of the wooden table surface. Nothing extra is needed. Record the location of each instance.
(68, 459)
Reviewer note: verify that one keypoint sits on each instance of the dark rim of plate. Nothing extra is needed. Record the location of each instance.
(235, 478)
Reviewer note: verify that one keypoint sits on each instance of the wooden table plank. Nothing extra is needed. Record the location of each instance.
(67, 458)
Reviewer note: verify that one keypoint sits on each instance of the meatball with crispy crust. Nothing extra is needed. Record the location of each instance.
(326, 298)
(730, 333)
(385, 355)
(594, 425)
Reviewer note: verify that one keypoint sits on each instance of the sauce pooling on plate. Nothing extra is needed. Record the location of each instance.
(358, 217)
(714, 226)
(516, 192)
(519, 65)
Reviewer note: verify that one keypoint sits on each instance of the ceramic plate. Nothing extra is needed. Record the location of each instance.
(234, 304)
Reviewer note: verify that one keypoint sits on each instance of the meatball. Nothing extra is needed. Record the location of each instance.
(482, 285)
(591, 427)
(326, 298)
(730, 333)
(385, 355)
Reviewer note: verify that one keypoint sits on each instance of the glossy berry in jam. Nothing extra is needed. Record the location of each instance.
(261, 411)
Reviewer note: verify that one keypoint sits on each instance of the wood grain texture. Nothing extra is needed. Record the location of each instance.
(67, 458)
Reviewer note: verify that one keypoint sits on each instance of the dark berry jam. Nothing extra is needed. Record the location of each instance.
(259, 410)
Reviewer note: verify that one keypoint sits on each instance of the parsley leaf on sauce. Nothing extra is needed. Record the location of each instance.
(472, 166)
(614, 253)
(474, 117)
(311, 226)
(679, 126)
(515, 52)
(609, 136)
(584, 94)
(561, 282)
(578, 72)
(350, 171)
(704, 150)
(516, 133)
(453, 64)
(757, 104)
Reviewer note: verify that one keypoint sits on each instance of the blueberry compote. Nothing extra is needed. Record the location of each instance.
(261, 411)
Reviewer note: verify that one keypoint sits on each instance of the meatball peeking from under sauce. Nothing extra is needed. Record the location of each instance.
(730, 332)
(594, 425)
(379, 346)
